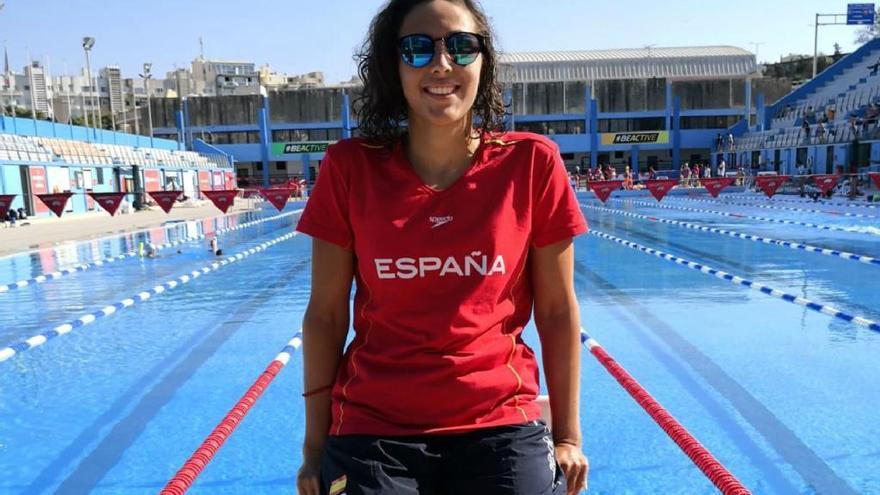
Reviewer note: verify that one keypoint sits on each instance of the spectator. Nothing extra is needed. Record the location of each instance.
(722, 168)
(805, 127)
(730, 143)
(874, 67)
(11, 217)
(627, 178)
(685, 174)
(719, 142)
(820, 132)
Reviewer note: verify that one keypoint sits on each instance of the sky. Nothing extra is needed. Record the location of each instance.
(299, 36)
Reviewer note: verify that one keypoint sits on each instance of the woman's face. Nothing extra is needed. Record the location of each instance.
(441, 93)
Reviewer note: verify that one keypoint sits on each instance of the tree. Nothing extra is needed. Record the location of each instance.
(868, 33)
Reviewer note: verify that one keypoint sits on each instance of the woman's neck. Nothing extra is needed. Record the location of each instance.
(440, 155)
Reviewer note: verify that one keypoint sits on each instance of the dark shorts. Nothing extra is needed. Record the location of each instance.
(518, 459)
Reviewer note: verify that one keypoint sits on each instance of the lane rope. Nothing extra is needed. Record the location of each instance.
(193, 467)
(40, 339)
(736, 215)
(723, 479)
(765, 240)
(85, 266)
(771, 207)
(820, 308)
(720, 476)
(800, 201)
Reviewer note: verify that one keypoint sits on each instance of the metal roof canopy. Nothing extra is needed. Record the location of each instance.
(675, 63)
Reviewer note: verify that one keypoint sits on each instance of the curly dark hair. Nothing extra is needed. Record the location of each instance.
(381, 105)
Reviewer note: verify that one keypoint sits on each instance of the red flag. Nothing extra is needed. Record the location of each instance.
(56, 202)
(165, 199)
(108, 200)
(277, 196)
(771, 183)
(825, 182)
(659, 187)
(875, 176)
(716, 184)
(5, 204)
(222, 199)
(603, 188)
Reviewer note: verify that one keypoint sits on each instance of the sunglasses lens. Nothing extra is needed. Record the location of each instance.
(417, 50)
(464, 48)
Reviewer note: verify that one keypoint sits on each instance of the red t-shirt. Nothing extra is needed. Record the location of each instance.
(443, 286)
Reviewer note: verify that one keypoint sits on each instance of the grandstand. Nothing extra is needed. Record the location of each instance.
(34, 160)
(827, 125)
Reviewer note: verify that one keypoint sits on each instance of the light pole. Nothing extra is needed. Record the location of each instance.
(5, 82)
(122, 90)
(88, 43)
(146, 77)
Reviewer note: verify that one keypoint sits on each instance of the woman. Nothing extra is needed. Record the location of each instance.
(453, 232)
(627, 178)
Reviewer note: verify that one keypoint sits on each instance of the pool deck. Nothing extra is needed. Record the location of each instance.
(46, 232)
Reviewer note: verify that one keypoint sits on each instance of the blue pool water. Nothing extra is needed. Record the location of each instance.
(785, 397)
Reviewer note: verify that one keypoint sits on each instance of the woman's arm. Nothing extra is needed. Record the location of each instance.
(558, 320)
(325, 328)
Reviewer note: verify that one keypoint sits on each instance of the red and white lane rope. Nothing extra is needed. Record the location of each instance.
(726, 482)
(183, 480)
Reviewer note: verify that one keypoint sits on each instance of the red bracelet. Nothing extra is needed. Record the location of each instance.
(317, 390)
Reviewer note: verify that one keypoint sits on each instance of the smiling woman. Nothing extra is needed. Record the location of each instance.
(454, 232)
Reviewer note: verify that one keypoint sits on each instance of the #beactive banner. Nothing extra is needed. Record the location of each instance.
(651, 137)
(300, 147)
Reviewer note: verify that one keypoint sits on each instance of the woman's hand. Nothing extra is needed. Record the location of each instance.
(308, 479)
(574, 465)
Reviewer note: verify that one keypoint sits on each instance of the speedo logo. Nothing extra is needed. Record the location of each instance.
(438, 221)
(474, 264)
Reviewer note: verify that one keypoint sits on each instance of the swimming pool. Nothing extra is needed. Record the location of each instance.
(783, 395)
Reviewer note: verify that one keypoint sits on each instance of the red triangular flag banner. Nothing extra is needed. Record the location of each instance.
(716, 184)
(165, 199)
(56, 202)
(659, 187)
(222, 199)
(771, 183)
(277, 196)
(108, 200)
(875, 176)
(603, 188)
(5, 204)
(825, 182)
